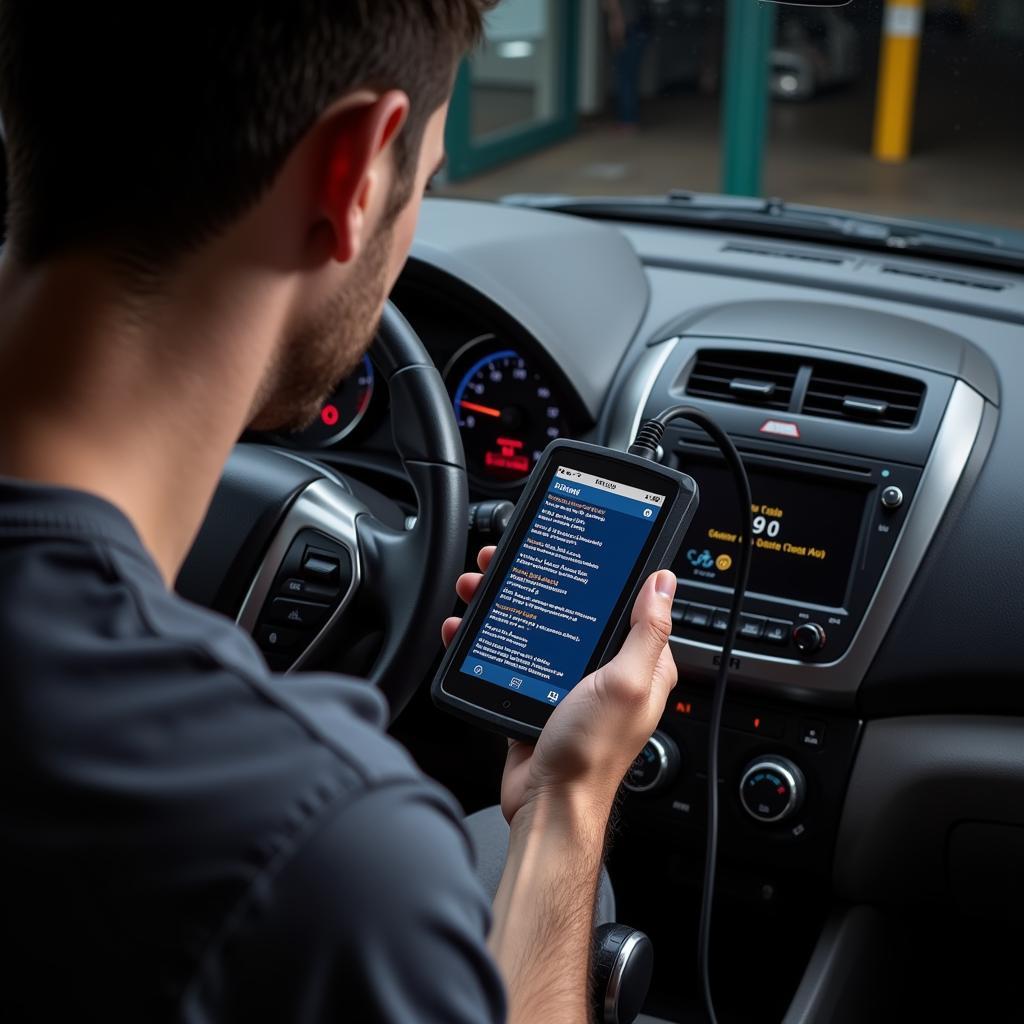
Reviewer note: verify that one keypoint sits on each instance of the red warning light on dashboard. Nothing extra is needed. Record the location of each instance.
(513, 462)
(684, 707)
(330, 415)
(780, 428)
(757, 723)
(510, 457)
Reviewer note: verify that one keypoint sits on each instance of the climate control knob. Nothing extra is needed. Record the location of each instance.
(809, 637)
(655, 766)
(772, 789)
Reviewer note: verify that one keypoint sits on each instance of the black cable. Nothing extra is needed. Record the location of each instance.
(647, 445)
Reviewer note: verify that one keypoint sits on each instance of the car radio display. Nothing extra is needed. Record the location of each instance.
(805, 534)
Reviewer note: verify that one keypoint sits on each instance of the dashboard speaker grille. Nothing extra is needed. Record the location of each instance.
(846, 392)
(747, 378)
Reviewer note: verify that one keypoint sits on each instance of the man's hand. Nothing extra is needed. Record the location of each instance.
(594, 734)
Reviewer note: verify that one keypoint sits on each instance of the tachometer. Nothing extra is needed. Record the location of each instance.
(341, 413)
(506, 409)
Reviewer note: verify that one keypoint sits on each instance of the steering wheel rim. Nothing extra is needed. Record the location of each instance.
(402, 580)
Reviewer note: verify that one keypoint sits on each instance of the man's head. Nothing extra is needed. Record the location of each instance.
(146, 134)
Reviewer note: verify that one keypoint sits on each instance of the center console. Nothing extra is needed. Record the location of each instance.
(853, 460)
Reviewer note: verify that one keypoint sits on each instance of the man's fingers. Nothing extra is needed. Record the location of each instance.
(636, 665)
(467, 585)
(448, 629)
(483, 559)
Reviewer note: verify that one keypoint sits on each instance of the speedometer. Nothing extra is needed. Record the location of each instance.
(506, 409)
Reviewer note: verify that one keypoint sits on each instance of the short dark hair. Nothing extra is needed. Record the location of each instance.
(147, 128)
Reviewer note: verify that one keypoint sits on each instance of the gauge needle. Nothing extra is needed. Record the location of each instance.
(486, 410)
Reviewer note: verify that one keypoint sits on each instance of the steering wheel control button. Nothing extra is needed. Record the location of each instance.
(273, 638)
(299, 614)
(752, 627)
(655, 766)
(310, 591)
(778, 632)
(322, 568)
(812, 733)
(772, 790)
(698, 616)
(892, 497)
(809, 637)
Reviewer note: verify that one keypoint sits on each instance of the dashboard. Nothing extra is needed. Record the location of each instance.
(508, 396)
(878, 402)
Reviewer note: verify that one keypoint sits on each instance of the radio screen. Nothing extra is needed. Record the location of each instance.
(805, 535)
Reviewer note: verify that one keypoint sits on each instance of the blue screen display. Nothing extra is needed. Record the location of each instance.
(562, 585)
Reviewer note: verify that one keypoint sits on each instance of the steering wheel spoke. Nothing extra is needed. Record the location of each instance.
(310, 575)
(331, 585)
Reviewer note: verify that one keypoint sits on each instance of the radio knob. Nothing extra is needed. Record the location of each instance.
(809, 637)
(655, 766)
(892, 497)
(772, 789)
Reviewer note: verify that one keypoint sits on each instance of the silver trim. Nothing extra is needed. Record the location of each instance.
(622, 957)
(663, 766)
(322, 506)
(841, 678)
(631, 403)
(788, 771)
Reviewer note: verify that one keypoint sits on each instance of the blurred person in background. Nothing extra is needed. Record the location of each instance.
(630, 27)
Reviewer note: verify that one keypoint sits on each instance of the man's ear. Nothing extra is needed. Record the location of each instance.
(357, 170)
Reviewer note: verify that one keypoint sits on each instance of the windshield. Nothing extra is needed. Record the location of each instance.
(899, 108)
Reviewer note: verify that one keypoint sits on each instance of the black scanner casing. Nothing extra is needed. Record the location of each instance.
(662, 555)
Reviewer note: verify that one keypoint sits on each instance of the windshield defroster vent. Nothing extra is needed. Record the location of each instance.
(779, 253)
(748, 378)
(846, 392)
(957, 280)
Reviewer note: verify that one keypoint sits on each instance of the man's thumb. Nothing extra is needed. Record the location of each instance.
(651, 626)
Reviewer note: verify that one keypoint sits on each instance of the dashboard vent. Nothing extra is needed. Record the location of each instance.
(774, 252)
(842, 391)
(938, 277)
(747, 378)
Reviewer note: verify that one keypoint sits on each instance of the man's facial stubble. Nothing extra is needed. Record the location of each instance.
(327, 346)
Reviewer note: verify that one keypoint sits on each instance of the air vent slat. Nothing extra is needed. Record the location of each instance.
(760, 379)
(880, 389)
(843, 391)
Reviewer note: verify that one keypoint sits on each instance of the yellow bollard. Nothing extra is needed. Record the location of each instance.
(897, 79)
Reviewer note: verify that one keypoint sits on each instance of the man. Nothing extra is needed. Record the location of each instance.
(208, 208)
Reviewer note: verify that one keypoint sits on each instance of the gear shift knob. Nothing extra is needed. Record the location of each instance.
(623, 964)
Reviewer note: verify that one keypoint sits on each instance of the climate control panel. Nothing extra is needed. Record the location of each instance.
(782, 779)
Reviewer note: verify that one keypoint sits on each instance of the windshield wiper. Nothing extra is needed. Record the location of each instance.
(792, 220)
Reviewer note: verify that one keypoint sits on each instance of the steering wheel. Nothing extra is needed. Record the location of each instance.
(324, 571)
